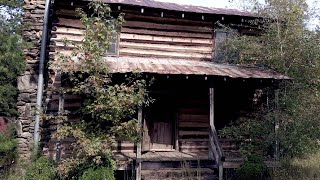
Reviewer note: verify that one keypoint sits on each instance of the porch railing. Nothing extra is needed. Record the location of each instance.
(216, 150)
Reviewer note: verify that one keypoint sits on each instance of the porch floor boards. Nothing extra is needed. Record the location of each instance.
(166, 156)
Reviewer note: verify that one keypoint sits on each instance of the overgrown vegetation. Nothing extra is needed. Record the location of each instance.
(8, 151)
(42, 168)
(11, 65)
(288, 46)
(253, 168)
(109, 109)
(11, 56)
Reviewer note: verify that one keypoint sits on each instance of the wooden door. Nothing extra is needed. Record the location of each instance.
(158, 131)
(146, 141)
(162, 136)
(158, 128)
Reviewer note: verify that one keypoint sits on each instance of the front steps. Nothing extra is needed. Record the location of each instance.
(178, 174)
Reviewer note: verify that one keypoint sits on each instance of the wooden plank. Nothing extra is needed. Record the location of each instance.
(176, 135)
(146, 137)
(211, 120)
(194, 117)
(212, 149)
(70, 37)
(193, 124)
(191, 44)
(193, 146)
(65, 22)
(147, 25)
(192, 140)
(68, 30)
(129, 16)
(165, 39)
(163, 56)
(164, 48)
(193, 110)
(194, 143)
(167, 33)
(177, 47)
(151, 53)
(183, 133)
(194, 150)
(138, 155)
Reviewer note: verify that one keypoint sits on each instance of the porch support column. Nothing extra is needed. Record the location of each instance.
(211, 118)
(138, 155)
(276, 127)
(215, 152)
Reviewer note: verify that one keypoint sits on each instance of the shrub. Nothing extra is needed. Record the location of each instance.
(41, 169)
(253, 168)
(103, 173)
(8, 153)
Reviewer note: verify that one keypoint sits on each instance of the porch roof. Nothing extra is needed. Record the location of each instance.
(181, 8)
(188, 67)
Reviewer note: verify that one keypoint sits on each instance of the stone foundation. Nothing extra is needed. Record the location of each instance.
(27, 82)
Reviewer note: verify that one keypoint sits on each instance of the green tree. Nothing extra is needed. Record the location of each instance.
(109, 109)
(288, 46)
(11, 55)
(11, 65)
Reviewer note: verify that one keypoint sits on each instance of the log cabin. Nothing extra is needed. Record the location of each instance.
(197, 90)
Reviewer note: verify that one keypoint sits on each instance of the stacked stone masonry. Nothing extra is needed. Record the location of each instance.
(27, 82)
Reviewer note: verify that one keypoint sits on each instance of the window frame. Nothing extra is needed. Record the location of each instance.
(229, 33)
(117, 45)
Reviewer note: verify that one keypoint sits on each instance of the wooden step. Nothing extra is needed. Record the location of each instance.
(177, 174)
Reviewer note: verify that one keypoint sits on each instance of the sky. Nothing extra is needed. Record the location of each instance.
(226, 4)
(216, 3)
(208, 3)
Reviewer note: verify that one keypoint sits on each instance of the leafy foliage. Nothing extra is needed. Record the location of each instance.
(8, 147)
(109, 109)
(11, 56)
(253, 168)
(289, 47)
(99, 173)
(41, 169)
(254, 135)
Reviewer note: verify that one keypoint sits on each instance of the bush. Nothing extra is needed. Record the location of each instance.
(41, 169)
(253, 168)
(103, 173)
(8, 153)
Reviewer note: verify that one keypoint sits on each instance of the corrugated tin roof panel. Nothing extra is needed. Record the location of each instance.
(188, 67)
(179, 7)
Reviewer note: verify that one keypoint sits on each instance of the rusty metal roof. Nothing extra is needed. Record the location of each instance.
(181, 8)
(188, 67)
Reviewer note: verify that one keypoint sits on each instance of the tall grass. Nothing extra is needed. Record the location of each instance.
(303, 168)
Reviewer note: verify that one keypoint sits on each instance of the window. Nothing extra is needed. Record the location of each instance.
(224, 51)
(114, 47)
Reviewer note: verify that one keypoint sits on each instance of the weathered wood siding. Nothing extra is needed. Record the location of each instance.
(193, 124)
(171, 38)
(145, 36)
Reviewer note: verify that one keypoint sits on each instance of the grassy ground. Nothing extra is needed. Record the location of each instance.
(305, 168)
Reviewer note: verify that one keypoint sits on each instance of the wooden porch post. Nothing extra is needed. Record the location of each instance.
(211, 97)
(138, 155)
(214, 140)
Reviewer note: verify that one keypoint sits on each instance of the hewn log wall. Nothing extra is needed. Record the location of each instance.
(145, 36)
(170, 38)
(193, 124)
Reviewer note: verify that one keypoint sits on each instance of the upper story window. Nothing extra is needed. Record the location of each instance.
(114, 46)
(224, 51)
